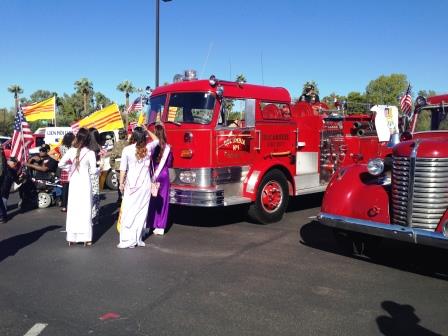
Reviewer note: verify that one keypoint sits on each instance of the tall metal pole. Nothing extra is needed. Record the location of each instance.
(157, 41)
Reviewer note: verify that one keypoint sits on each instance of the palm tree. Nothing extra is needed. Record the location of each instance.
(84, 87)
(16, 89)
(240, 79)
(127, 87)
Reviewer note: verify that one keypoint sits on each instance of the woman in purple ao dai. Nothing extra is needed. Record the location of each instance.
(162, 160)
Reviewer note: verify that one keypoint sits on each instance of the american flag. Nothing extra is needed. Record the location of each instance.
(137, 105)
(22, 137)
(75, 127)
(406, 101)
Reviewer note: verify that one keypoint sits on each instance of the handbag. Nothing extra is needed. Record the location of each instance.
(154, 185)
(155, 188)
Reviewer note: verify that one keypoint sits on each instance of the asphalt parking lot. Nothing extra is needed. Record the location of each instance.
(214, 273)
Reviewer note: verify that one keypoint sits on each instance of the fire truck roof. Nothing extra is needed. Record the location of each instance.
(438, 99)
(231, 89)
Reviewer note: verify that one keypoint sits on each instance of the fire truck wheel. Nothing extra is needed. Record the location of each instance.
(357, 244)
(272, 198)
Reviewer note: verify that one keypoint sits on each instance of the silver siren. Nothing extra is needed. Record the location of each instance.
(394, 140)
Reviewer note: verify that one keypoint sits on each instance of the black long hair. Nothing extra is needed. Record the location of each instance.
(67, 140)
(95, 140)
(139, 138)
(82, 140)
(160, 133)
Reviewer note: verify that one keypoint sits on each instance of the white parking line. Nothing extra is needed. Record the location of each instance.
(36, 329)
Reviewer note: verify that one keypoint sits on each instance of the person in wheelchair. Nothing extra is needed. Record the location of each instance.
(42, 166)
(43, 179)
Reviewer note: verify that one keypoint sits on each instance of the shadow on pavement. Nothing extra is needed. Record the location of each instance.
(11, 246)
(219, 216)
(402, 321)
(423, 260)
(207, 217)
(302, 202)
(108, 218)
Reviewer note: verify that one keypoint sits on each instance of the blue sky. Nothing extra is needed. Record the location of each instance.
(342, 45)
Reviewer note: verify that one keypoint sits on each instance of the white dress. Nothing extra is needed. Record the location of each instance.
(79, 205)
(134, 207)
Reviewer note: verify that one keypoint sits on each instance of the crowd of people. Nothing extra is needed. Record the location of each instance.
(142, 160)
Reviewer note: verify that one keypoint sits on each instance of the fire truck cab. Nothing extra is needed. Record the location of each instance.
(236, 143)
(404, 197)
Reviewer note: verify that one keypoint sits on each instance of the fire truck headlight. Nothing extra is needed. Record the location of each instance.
(187, 176)
(375, 166)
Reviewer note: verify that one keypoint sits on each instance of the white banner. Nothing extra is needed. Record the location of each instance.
(53, 135)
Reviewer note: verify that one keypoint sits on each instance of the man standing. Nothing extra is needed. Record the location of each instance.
(3, 215)
(115, 155)
(309, 95)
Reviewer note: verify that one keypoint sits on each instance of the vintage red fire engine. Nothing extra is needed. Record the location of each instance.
(237, 143)
(404, 197)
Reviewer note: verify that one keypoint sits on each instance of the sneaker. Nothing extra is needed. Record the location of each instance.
(141, 244)
(159, 232)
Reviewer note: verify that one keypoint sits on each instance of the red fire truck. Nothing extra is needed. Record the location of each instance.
(236, 143)
(403, 197)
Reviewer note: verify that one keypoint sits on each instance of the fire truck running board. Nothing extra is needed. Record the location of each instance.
(308, 184)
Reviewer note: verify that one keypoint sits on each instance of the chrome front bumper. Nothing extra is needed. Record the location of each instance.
(205, 197)
(195, 197)
(392, 231)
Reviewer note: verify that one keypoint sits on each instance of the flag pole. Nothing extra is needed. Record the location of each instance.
(22, 139)
(54, 109)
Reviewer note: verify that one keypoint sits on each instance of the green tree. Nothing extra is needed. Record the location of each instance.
(101, 101)
(7, 118)
(16, 90)
(386, 89)
(241, 79)
(127, 88)
(40, 95)
(84, 87)
(332, 99)
(357, 103)
(426, 93)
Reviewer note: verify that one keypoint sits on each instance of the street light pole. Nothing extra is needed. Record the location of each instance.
(157, 39)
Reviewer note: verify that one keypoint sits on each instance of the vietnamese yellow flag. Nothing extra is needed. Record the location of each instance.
(43, 110)
(141, 118)
(107, 119)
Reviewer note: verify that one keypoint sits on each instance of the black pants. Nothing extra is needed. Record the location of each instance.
(64, 194)
(3, 213)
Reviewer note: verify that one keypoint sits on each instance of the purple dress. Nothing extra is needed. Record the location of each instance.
(158, 206)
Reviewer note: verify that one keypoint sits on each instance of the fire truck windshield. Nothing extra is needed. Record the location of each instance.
(191, 107)
(432, 118)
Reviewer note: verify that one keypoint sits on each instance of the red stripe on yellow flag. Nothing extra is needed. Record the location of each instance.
(43, 110)
(107, 119)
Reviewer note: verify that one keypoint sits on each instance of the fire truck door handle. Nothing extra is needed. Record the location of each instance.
(258, 133)
(297, 138)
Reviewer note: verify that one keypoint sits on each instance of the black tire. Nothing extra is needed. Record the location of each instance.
(112, 180)
(44, 200)
(357, 244)
(272, 198)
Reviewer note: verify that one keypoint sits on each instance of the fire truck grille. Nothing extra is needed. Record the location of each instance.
(419, 191)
